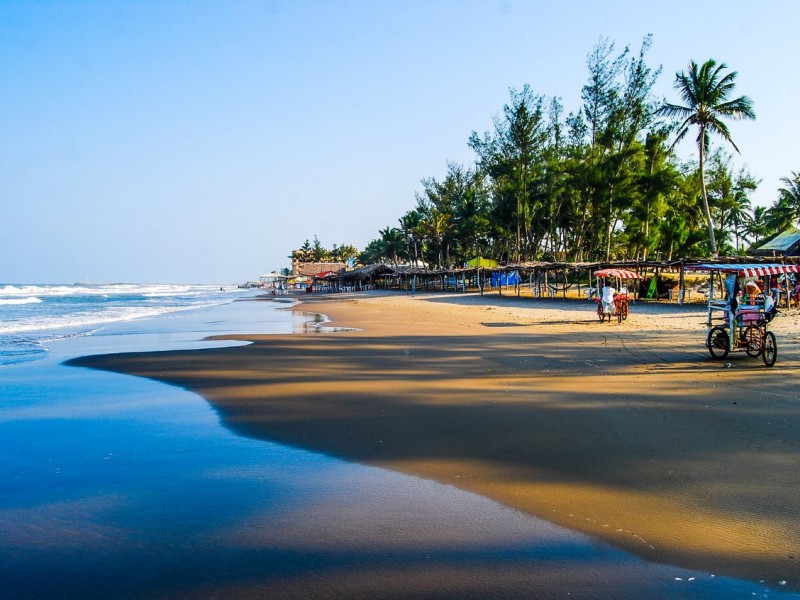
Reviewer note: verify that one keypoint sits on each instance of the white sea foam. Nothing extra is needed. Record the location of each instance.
(32, 315)
(28, 300)
(81, 320)
(116, 289)
(167, 293)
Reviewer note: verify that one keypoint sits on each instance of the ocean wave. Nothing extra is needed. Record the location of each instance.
(165, 294)
(111, 289)
(82, 320)
(32, 317)
(28, 300)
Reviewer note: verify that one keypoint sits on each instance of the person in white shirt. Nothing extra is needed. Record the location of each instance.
(608, 298)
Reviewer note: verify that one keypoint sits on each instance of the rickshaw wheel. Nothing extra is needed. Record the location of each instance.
(600, 312)
(753, 341)
(770, 354)
(717, 342)
(624, 311)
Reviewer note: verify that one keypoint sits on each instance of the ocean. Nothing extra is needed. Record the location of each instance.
(33, 318)
(113, 486)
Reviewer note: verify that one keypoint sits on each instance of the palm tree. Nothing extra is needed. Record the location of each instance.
(437, 226)
(781, 215)
(739, 217)
(393, 244)
(741, 211)
(706, 92)
(758, 224)
(375, 252)
(409, 226)
(790, 194)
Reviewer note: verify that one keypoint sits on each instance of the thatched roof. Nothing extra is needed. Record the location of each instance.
(532, 267)
(312, 269)
(363, 272)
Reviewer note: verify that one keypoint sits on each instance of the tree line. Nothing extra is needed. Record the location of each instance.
(316, 252)
(601, 183)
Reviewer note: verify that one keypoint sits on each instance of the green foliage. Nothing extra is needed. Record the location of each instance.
(316, 252)
(602, 182)
(789, 195)
(373, 253)
(706, 92)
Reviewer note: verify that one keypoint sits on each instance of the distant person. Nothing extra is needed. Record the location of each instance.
(608, 298)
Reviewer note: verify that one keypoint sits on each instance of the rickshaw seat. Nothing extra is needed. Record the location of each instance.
(748, 316)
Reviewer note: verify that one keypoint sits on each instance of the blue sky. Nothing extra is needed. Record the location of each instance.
(196, 141)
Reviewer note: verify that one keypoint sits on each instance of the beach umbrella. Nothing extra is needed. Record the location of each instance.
(621, 273)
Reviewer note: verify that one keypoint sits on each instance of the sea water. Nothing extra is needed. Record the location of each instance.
(34, 317)
(113, 486)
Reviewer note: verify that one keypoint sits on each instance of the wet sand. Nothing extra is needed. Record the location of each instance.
(628, 432)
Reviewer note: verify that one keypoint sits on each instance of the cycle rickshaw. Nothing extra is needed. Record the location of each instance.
(620, 299)
(738, 319)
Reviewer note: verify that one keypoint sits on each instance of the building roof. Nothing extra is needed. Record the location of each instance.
(313, 269)
(786, 243)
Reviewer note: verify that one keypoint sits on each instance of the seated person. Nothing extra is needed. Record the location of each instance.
(770, 309)
(751, 291)
(732, 292)
(608, 298)
(775, 287)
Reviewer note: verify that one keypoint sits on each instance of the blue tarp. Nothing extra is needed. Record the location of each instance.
(509, 278)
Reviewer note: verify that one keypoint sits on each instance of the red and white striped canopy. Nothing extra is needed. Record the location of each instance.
(621, 273)
(747, 269)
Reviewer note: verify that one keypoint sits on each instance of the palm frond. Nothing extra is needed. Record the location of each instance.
(721, 129)
(682, 131)
(741, 108)
(674, 110)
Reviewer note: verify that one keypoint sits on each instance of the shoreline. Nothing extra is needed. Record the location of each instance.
(627, 432)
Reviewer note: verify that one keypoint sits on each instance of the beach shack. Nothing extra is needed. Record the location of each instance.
(274, 281)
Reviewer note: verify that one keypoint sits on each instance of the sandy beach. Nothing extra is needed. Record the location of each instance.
(628, 432)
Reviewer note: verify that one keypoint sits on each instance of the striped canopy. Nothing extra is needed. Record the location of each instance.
(621, 273)
(747, 269)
